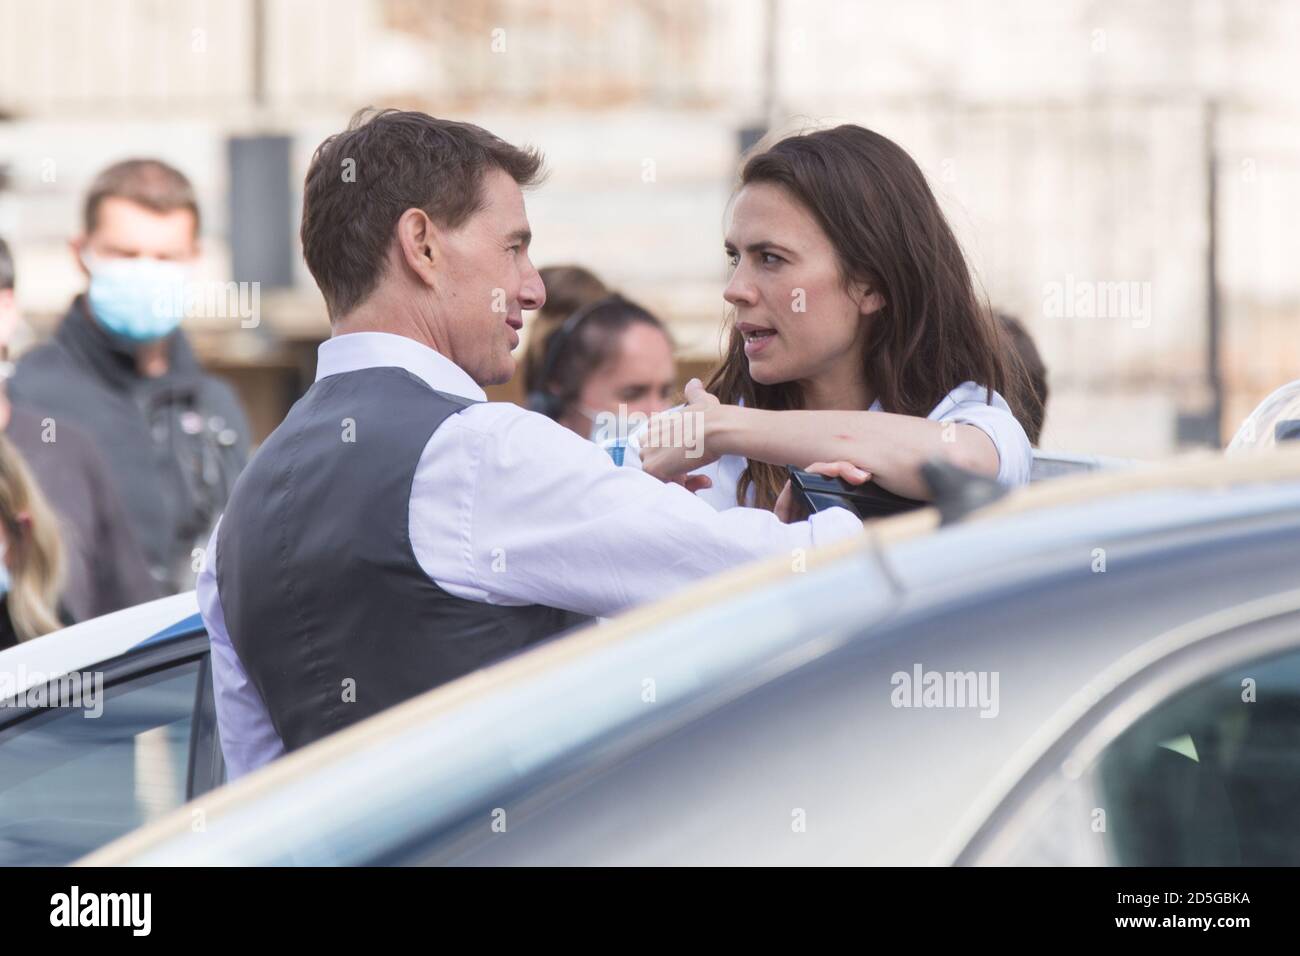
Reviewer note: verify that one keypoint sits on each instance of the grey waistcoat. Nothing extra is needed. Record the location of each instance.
(330, 612)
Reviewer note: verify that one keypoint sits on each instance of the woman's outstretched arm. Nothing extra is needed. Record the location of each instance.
(891, 447)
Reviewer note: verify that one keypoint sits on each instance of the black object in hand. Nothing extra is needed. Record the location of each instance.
(867, 500)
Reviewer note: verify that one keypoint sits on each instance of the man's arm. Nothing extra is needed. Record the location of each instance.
(508, 507)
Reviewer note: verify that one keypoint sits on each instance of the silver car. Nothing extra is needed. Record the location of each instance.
(1101, 669)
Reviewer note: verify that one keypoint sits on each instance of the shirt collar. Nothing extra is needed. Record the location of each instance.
(357, 350)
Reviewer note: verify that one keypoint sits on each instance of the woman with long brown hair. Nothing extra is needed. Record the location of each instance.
(858, 336)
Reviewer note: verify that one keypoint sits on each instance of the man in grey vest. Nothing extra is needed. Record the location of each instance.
(398, 530)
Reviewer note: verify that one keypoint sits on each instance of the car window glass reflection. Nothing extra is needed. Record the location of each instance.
(70, 783)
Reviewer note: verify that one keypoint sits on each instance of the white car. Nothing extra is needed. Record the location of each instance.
(104, 726)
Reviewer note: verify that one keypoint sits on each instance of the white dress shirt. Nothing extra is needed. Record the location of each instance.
(966, 404)
(507, 507)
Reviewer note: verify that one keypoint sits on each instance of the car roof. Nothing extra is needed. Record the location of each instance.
(84, 645)
(1198, 473)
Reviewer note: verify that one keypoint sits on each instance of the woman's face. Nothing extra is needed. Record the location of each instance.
(798, 320)
(642, 375)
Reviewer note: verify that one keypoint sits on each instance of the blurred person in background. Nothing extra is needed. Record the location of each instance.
(609, 360)
(858, 338)
(120, 368)
(1026, 353)
(31, 555)
(568, 289)
(105, 569)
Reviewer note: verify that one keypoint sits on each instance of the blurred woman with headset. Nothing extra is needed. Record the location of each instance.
(609, 358)
(568, 289)
(858, 345)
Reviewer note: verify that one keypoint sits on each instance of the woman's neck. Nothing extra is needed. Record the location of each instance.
(840, 390)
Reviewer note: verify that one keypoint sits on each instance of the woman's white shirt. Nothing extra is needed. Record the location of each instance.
(966, 404)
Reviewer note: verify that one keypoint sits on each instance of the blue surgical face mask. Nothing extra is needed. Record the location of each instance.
(138, 299)
(604, 432)
(5, 582)
(600, 424)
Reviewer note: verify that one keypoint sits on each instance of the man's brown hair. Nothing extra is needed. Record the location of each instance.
(363, 179)
(149, 182)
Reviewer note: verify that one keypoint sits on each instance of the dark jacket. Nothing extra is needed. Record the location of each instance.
(106, 570)
(173, 444)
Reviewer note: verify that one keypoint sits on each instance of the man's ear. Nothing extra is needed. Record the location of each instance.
(417, 242)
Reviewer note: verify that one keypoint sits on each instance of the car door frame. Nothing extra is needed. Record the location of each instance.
(205, 768)
(1134, 686)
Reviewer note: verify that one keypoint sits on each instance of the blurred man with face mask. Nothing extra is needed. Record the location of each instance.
(120, 368)
(105, 570)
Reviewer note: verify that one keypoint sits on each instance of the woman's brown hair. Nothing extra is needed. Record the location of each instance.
(35, 551)
(933, 332)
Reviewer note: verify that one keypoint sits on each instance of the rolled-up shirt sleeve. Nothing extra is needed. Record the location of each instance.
(508, 507)
(968, 405)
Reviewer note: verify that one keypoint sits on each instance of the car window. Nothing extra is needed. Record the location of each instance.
(1209, 777)
(71, 781)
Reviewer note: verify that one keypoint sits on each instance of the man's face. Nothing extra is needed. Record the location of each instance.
(127, 230)
(486, 282)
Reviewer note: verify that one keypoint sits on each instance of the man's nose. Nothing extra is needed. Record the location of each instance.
(532, 295)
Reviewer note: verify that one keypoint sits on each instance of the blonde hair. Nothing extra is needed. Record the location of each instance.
(35, 552)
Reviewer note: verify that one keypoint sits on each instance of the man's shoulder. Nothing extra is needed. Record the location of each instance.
(512, 435)
(31, 428)
(41, 358)
(485, 415)
(47, 378)
(492, 419)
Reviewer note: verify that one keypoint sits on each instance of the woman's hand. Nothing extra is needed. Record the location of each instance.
(789, 510)
(677, 442)
(693, 483)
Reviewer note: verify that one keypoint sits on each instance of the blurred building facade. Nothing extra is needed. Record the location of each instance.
(1124, 177)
